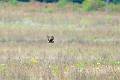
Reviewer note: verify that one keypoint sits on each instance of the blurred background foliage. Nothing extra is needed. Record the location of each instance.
(87, 5)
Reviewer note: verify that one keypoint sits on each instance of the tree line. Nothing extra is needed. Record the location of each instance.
(75, 1)
(87, 5)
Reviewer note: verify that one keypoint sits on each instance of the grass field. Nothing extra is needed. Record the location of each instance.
(87, 45)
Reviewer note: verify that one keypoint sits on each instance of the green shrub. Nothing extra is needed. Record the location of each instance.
(76, 7)
(89, 5)
(62, 3)
(13, 2)
(114, 7)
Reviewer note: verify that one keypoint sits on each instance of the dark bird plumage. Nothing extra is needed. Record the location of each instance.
(50, 39)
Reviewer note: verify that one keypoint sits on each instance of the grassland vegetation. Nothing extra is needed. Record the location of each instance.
(86, 45)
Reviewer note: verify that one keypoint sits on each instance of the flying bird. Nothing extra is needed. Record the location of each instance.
(50, 39)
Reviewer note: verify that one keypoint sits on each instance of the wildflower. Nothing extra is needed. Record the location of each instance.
(34, 61)
(98, 63)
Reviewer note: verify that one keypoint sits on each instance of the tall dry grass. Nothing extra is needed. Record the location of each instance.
(86, 44)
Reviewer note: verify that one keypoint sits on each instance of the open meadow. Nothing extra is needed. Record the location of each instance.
(87, 45)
